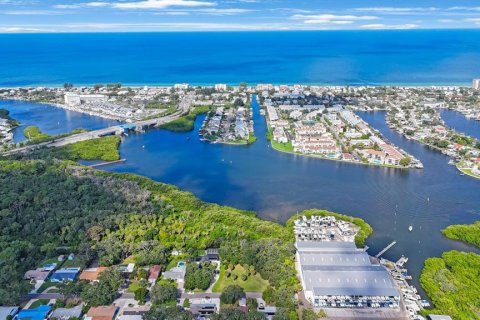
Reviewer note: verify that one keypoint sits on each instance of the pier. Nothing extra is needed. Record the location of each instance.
(96, 165)
(385, 249)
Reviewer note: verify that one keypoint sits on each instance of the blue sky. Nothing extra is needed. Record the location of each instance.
(224, 15)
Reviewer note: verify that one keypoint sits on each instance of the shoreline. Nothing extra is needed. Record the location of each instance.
(63, 106)
(339, 160)
(253, 84)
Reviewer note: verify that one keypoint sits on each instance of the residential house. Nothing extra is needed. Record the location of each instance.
(154, 273)
(67, 313)
(92, 274)
(101, 313)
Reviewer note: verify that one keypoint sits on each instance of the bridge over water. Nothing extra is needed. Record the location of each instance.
(138, 126)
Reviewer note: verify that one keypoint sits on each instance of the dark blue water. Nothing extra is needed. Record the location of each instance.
(457, 121)
(49, 119)
(310, 57)
(277, 185)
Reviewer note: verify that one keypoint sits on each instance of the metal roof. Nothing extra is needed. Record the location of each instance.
(326, 246)
(336, 268)
(356, 258)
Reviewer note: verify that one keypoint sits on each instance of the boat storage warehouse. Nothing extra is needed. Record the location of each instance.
(337, 274)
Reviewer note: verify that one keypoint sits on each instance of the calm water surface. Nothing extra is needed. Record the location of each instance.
(49, 119)
(277, 185)
(310, 57)
(457, 121)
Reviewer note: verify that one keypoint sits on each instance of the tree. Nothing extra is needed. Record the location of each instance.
(309, 314)
(199, 276)
(141, 295)
(142, 273)
(186, 303)
(252, 304)
(67, 86)
(232, 294)
(105, 290)
(405, 161)
(164, 291)
(168, 313)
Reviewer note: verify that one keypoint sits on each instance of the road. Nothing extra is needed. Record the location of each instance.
(214, 295)
(183, 109)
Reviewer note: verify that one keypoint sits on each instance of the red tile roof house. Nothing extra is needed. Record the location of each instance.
(154, 273)
(102, 313)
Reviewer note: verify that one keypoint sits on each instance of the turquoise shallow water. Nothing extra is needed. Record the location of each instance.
(414, 57)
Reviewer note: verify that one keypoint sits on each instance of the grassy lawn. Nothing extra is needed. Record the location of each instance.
(285, 147)
(134, 286)
(38, 303)
(254, 283)
(46, 285)
(70, 264)
(468, 172)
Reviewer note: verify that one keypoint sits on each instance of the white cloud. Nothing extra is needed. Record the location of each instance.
(381, 26)
(32, 12)
(66, 6)
(160, 4)
(222, 12)
(330, 18)
(22, 30)
(464, 9)
(397, 10)
(475, 21)
(172, 13)
(97, 4)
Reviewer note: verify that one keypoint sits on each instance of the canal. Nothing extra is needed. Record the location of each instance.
(277, 185)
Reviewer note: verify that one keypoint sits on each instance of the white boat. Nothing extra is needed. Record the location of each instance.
(410, 228)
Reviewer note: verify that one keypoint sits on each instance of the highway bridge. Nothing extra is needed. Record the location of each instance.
(184, 108)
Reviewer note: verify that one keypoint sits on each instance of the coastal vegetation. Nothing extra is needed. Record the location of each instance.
(185, 123)
(108, 217)
(451, 281)
(5, 114)
(34, 135)
(469, 233)
(365, 230)
(105, 149)
(452, 284)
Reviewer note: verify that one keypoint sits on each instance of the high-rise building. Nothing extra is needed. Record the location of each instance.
(476, 84)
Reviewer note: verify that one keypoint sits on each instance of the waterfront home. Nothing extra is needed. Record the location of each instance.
(373, 156)
(101, 313)
(92, 274)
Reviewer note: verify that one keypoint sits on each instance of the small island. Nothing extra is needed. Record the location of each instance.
(451, 281)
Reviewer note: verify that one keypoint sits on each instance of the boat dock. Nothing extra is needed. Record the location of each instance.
(106, 163)
(385, 249)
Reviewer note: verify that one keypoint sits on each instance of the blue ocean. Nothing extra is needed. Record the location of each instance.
(414, 57)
